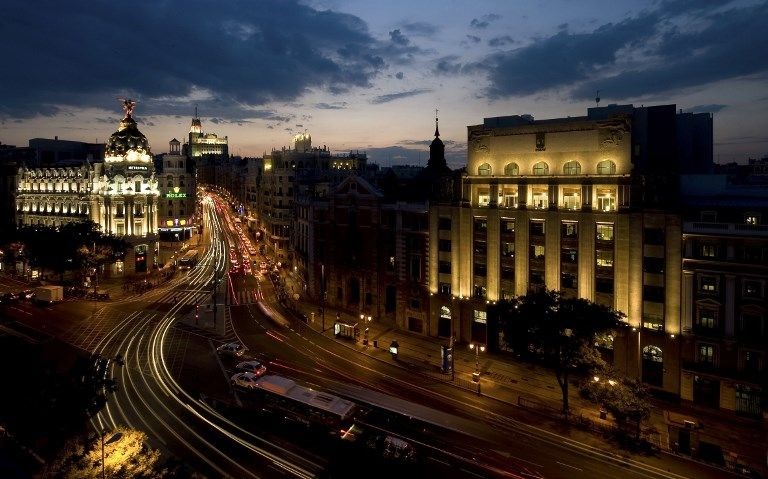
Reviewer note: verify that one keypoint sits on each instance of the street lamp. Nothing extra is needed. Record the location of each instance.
(478, 348)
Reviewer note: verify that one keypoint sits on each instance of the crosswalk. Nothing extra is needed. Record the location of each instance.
(195, 297)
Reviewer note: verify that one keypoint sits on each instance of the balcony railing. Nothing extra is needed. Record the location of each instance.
(725, 228)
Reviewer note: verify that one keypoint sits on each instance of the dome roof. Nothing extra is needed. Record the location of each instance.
(126, 138)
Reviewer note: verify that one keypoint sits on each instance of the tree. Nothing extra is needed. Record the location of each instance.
(126, 455)
(626, 399)
(557, 329)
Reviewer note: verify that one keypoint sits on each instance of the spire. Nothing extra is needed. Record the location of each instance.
(437, 130)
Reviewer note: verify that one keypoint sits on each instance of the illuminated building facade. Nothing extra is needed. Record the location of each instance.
(285, 172)
(119, 194)
(725, 271)
(209, 151)
(585, 205)
(177, 188)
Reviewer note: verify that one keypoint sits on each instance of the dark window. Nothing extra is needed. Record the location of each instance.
(570, 230)
(653, 265)
(507, 249)
(444, 288)
(444, 223)
(653, 293)
(479, 291)
(508, 273)
(752, 324)
(537, 228)
(480, 247)
(415, 324)
(415, 303)
(391, 296)
(604, 285)
(753, 289)
(654, 236)
(444, 267)
(444, 245)
(481, 225)
(568, 280)
(752, 253)
(569, 255)
(536, 277)
(480, 269)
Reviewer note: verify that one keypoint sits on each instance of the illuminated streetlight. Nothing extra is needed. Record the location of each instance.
(478, 348)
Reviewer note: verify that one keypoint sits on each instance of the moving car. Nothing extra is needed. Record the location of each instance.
(254, 367)
(245, 380)
(231, 349)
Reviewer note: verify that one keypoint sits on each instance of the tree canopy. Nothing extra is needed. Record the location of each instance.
(559, 330)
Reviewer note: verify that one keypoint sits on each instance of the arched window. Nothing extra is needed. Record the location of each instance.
(653, 353)
(484, 170)
(540, 168)
(606, 167)
(653, 365)
(572, 168)
(511, 169)
(445, 312)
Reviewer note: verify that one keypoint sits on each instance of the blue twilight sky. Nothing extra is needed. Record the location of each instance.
(369, 74)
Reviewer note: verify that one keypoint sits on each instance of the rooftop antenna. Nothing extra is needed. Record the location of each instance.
(597, 98)
(195, 111)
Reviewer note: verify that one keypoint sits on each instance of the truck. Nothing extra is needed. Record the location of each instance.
(49, 294)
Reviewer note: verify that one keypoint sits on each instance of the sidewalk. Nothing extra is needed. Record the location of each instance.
(534, 387)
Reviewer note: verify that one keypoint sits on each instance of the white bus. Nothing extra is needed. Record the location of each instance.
(189, 260)
(304, 404)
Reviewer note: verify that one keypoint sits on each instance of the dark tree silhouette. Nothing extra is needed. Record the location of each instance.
(559, 330)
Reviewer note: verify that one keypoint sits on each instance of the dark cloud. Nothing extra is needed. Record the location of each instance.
(420, 29)
(709, 108)
(473, 38)
(339, 105)
(173, 54)
(448, 65)
(677, 45)
(399, 75)
(396, 96)
(500, 41)
(484, 21)
(397, 37)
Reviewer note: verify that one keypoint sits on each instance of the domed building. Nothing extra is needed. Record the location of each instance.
(125, 192)
(120, 194)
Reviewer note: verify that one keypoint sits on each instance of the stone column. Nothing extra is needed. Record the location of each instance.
(686, 316)
(730, 305)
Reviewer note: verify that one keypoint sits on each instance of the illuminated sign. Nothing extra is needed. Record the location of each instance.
(137, 168)
(175, 193)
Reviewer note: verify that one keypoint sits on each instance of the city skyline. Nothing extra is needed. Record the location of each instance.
(373, 75)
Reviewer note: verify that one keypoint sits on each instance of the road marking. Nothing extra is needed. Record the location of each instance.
(568, 465)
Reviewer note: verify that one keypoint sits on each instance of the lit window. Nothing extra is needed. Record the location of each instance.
(707, 354)
(479, 316)
(753, 288)
(604, 232)
(508, 197)
(540, 169)
(572, 168)
(540, 198)
(606, 199)
(604, 258)
(483, 198)
(511, 169)
(752, 219)
(709, 250)
(571, 198)
(708, 284)
(484, 170)
(707, 318)
(606, 167)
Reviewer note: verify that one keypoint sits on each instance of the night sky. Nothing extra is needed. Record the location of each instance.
(369, 74)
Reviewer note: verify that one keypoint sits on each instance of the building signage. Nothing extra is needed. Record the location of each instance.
(137, 168)
(175, 194)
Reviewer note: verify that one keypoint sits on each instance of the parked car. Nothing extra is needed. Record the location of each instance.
(27, 294)
(245, 380)
(6, 298)
(231, 349)
(254, 367)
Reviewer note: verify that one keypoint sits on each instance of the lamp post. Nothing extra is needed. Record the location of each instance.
(478, 348)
